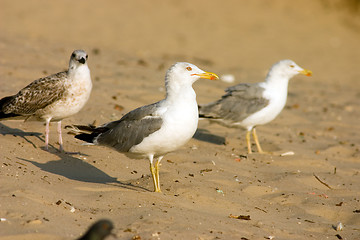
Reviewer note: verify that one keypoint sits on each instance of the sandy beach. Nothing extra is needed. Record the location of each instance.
(212, 189)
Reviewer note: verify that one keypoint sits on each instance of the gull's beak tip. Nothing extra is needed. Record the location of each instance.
(306, 72)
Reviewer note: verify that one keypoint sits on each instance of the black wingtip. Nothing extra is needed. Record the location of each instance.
(86, 133)
(3, 102)
(200, 114)
(86, 137)
(205, 116)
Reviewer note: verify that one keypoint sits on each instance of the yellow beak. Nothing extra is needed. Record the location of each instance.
(306, 72)
(208, 75)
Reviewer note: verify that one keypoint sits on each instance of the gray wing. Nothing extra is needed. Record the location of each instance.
(36, 95)
(131, 129)
(238, 103)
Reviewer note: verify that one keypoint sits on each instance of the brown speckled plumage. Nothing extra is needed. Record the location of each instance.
(37, 95)
(52, 98)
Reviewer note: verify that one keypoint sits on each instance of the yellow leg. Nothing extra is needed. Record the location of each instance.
(157, 172)
(248, 142)
(257, 141)
(153, 175)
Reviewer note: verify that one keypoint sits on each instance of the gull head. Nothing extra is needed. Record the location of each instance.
(287, 69)
(78, 58)
(185, 74)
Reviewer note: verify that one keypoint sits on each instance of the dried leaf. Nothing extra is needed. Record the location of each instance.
(118, 107)
(242, 217)
(205, 170)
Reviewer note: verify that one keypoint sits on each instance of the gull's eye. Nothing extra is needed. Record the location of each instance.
(189, 68)
(86, 56)
(73, 55)
(292, 66)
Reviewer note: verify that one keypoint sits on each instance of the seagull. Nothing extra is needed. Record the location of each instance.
(153, 130)
(52, 98)
(248, 105)
(99, 230)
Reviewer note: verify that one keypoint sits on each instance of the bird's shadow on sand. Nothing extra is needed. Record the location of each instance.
(67, 166)
(76, 169)
(205, 136)
(5, 130)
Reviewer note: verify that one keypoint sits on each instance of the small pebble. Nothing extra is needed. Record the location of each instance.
(228, 78)
(72, 209)
(339, 226)
(287, 154)
(270, 237)
(36, 221)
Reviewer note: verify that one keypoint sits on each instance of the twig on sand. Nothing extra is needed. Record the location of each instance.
(327, 185)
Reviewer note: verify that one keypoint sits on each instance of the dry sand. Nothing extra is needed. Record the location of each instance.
(130, 46)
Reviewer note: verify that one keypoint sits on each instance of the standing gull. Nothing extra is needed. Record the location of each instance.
(52, 98)
(153, 130)
(250, 104)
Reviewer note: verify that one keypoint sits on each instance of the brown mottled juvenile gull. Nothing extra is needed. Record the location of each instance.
(52, 98)
(248, 105)
(153, 130)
